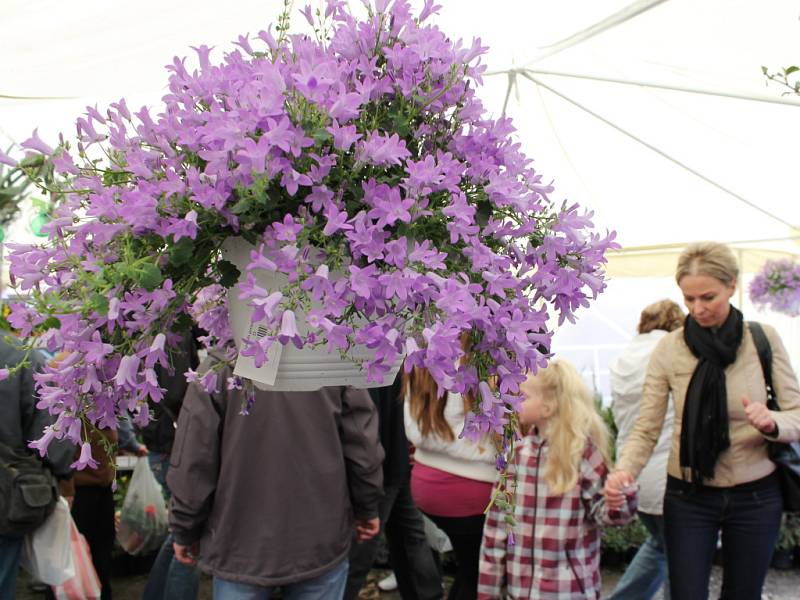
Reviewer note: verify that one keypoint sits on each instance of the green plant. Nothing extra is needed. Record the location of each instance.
(608, 418)
(786, 77)
(622, 539)
(15, 178)
(789, 534)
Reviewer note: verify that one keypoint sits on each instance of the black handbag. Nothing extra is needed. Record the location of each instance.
(785, 456)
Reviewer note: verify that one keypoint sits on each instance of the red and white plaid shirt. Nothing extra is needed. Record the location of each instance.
(556, 549)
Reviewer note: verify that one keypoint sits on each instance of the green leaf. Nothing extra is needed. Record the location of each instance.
(321, 136)
(790, 70)
(98, 303)
(149, 276)
(228, 272)
(181, 252)
(32, 161)
(242, 206)
(51, 323)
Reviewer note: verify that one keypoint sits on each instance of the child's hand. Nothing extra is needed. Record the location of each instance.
(618, 484)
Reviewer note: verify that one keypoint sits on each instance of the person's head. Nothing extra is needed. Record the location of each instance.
(664, 314)
(560, 405)
(707, 273)
(427, 402)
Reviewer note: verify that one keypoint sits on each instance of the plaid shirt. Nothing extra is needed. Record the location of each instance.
(556, 549)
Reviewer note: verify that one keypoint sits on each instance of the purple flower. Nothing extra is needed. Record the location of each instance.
(7, 160)
(85, 459)
(35, 143)
(127, 372)
(379, 149)
(289, 330)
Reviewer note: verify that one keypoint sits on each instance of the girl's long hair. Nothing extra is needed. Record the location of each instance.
(426, 404)
(573, 422)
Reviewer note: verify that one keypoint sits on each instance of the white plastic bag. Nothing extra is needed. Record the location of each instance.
(47, 552)
(143, 520)
(437, 539)
(84, 584)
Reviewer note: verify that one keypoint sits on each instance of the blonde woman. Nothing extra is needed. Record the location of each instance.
(720, 479)
(452, 477)
(560, 465)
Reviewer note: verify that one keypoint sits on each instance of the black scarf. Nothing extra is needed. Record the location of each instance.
(704, 431)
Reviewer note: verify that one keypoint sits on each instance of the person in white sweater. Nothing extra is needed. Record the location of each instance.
(648, 570)
(452, 477)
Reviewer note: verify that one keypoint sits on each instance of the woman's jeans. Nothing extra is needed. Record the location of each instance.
(328, 586)
(748, 515)
(648, 569)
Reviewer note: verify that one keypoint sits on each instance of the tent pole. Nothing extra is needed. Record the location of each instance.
(740, 283)
(629, 12)
(659, 152)
(661, 86)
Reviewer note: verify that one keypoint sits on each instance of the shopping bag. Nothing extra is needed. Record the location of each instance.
(47, 552)
(143, 519)
(84, 585)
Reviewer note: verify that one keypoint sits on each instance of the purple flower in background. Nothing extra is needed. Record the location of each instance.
(777, 287)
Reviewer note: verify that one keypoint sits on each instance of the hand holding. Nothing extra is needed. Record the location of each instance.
(186, 555)
(617, 483)
(367, 529)
(759, 415)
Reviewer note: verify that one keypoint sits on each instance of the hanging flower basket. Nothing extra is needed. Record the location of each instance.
(777, 287)
(329, 155)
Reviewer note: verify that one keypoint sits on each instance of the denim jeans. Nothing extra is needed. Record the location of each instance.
(648, 569)
(169, 579)
(10, 553)
(748, 515)
(411, 557)
(328, 586)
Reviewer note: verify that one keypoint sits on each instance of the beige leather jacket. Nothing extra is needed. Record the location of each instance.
(670, 369)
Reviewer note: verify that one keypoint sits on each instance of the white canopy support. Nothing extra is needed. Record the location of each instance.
(619, 17)
(658, 151)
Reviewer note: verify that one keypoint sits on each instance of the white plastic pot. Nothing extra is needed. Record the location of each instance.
(305, 369)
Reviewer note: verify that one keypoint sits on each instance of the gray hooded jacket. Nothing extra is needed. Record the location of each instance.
(271, 496)
(20, 421)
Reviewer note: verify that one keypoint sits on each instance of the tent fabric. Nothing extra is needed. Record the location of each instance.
(654, 114)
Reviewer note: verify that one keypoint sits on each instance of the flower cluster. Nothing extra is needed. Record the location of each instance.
(363, 168)
(777, 286)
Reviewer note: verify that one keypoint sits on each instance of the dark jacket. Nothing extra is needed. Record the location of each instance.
(271, 496)
(20, 420)
(159, 434)
(392, 432)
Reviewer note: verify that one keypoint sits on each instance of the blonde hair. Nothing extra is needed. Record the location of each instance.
(573, 422)
(708, 258)
(664, 314)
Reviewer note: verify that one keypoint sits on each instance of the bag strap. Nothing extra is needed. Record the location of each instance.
(765, 357)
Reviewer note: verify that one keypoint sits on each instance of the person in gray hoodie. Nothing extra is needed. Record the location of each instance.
(20, 423)
(270, 498)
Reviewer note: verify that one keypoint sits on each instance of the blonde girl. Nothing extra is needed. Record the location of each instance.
(560, 466)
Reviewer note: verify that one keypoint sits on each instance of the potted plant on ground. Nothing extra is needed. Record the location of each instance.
(364, 152)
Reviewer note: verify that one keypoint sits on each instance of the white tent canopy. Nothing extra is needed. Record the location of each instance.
(652, 113)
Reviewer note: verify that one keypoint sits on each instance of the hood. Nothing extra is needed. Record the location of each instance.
(627, 371)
